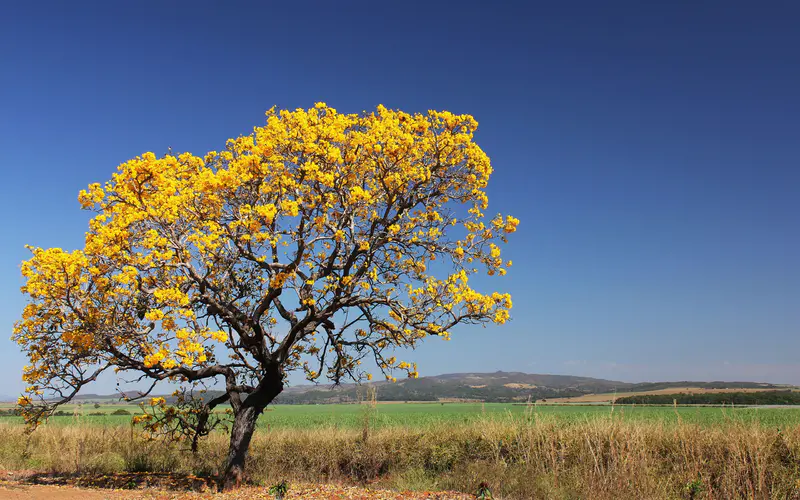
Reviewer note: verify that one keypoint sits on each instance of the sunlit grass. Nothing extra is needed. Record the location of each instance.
(546, 452)
(426, 414)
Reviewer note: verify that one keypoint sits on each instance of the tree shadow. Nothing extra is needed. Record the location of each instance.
(125, 480)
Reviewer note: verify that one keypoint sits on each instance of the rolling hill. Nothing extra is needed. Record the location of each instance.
(489, 387)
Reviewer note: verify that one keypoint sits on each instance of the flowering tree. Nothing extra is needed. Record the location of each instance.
(310, 244)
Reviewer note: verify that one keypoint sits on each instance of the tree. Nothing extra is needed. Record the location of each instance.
(311, 244)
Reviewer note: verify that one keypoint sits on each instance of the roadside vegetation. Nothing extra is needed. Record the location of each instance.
(522, 452)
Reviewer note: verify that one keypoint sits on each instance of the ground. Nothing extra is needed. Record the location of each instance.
(17, 486)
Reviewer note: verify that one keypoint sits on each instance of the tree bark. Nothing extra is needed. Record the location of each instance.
(244, 425)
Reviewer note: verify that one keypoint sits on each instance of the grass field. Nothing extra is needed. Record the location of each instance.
(426, 414)
(550, 452)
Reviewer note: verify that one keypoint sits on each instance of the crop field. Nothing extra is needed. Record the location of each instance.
(420, 415)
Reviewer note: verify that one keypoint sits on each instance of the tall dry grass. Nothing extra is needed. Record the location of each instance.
(531, 457)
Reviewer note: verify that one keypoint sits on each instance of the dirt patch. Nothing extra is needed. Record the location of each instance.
(515, 385)
(21, 487)
(38, 492)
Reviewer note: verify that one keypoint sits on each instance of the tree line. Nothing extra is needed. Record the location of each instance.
(717, 398)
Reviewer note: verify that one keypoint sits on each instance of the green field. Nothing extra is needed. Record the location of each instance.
(541, 452)
(424, 414)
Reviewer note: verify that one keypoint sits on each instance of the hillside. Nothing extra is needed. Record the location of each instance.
(489, 387)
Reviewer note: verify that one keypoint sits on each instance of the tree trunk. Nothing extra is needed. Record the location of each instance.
(244, 424)
(243, 427)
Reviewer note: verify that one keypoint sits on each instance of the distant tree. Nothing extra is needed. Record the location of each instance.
(786, 397)
(96, 405)
(310, 245)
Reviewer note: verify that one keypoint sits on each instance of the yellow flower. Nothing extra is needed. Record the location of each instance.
(219, 336)
(511, 224)
(269, 211)
(154, 314)
(291, 207)
(358, 194)
(354, 211)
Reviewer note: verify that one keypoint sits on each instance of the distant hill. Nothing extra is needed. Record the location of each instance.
(100, 398)
(489, 387)
(500, 387)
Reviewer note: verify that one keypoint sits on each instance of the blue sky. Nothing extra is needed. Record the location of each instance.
(650, 151)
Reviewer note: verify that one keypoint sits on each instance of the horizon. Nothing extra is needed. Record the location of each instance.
(7, 398)
(654, 172)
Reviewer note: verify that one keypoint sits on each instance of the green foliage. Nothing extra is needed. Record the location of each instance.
(484, 493)
(693, 487)
(717, 398)
(279, 490)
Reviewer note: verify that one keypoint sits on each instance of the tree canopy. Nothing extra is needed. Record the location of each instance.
(318, 241)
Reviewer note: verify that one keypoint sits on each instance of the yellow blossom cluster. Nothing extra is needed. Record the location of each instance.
(254, 249)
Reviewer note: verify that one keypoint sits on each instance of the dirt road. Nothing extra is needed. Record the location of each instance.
(9, 491)
(16, 490)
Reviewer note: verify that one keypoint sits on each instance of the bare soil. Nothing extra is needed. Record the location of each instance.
(22, 491)
(22, 485)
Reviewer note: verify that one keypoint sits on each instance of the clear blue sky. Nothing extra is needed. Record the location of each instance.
(651, 152)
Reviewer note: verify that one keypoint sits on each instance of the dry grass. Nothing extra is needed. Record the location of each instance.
(531, 457)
